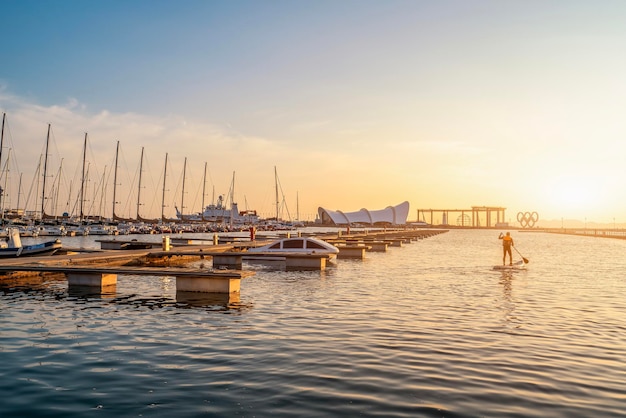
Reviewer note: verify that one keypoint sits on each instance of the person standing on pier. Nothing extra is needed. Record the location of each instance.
(507, 243)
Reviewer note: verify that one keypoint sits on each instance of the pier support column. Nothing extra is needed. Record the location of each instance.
(305, 263)
(229, 261)
(208, 285)
(380, 247)
(352, 251)
(99, 280)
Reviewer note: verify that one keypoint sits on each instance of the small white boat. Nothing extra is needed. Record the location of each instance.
(28, 231)
(13, 246)
(51, 231)
(102, 230)
(300, 245)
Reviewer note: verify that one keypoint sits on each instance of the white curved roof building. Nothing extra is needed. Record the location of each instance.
(393, 215)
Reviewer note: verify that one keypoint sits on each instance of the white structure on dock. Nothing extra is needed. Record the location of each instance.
(391, 215)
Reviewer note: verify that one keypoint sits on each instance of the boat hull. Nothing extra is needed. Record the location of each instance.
(45, 248)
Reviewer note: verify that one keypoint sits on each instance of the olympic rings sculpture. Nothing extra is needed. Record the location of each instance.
(527, 219)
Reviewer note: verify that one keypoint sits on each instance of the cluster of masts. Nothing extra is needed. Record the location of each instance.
(49, 196)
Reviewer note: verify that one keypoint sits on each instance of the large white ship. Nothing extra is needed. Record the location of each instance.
(219, 213)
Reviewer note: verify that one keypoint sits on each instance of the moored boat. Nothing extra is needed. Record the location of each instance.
(13, 246)
(299, 245)
(221, 214)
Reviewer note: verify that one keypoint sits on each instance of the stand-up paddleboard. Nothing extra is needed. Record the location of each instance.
(518, 265)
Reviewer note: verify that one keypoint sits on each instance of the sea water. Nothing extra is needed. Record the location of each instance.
(425, 330)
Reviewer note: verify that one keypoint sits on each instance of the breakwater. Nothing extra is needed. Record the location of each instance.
(588, 232)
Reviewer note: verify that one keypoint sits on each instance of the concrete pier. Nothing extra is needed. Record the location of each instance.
(377, 246)
(187, 280)
(293, 261)
(306, 262)
(208, 285)
(99, 280)
(227, 260)
(352, 251)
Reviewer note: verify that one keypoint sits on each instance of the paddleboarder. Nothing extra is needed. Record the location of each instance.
(507, 243)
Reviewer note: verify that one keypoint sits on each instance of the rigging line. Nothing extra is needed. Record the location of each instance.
(93, 159)
(34, 185)
(151, 187)
(131, 190)
(97, 196)
(176, 193)
(284, 201)
(199, 191)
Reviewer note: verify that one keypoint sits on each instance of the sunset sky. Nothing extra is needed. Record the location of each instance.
(357, 103)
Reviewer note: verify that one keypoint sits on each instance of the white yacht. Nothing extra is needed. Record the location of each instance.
(299, 245)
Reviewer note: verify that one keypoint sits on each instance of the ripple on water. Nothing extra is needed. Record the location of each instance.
(424, 330)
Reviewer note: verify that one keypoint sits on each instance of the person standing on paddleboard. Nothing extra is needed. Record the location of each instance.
(507, 243)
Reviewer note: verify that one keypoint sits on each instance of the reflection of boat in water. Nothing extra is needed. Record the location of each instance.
(14, 247)
(219, 213)
(304, 245)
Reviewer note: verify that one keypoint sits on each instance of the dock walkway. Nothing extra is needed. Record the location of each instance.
(100, 269)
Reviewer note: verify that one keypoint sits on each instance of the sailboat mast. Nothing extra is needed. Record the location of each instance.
(204, 187)
(139, 188)
(233, 189)
(82, 184)
(68, 205)
(3, 190)
(19, 191)
(117, 151)
(163, 197)
(58, 188)
(45, 168)
(4, 115)
(232, 201)
(276, 185)
(102, 194)
(182, 197)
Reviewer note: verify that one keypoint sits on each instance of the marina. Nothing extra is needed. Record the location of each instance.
(445, 238)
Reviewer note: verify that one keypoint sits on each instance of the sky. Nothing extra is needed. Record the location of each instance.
(353, 104)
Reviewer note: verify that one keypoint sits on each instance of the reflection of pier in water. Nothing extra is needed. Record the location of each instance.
(49, 287)
(481, 216)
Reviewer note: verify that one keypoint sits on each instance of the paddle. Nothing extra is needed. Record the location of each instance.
(523, 258)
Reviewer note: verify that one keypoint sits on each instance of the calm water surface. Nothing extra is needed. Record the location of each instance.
(426, 330)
